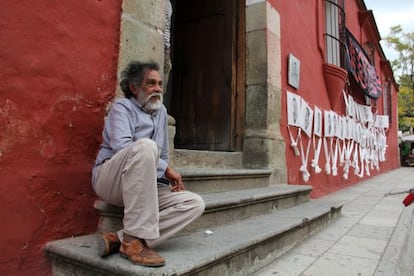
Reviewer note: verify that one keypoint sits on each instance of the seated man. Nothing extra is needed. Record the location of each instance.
(132, 171)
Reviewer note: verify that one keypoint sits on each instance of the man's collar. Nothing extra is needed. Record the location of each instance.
(134, 100)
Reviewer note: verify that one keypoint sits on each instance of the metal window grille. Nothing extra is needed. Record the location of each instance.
(335, 32)
(386, 99)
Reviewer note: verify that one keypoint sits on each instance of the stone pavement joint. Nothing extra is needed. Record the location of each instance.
(373, 237)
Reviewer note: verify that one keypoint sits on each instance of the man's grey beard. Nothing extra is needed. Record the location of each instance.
(148, 105)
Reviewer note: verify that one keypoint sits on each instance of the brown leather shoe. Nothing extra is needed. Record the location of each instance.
(108, 243)
(139, 253)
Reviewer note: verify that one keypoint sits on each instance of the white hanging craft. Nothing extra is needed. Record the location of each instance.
(367, 152)
(334, 153)
(357, 140)
(304, 156)
(294, 142)
(317, 139)
(357, 137)
(327, 155)
(355, 159)
(382, 125)
(348, 126)
(348, 153)
(382, 143)
(306, 125)
(327, 140)
(374, 149)
(293, 112)
(306, 118)
(341, 135)
(349, 131)
(336, 143)
(362, 158)
(362, 151)
(317, 150)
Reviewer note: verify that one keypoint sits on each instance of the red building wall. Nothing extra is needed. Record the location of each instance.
(58, 69)
(302, 29)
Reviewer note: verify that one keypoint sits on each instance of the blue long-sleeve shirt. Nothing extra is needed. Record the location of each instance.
(128, 122)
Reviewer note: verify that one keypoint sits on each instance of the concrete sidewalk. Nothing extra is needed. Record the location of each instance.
(374, 236)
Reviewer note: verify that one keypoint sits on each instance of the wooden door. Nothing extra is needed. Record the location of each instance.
(204, 75)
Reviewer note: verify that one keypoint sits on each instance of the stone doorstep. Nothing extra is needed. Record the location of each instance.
(209, 180)
(207, 159)
(223, 207)
(241, 247)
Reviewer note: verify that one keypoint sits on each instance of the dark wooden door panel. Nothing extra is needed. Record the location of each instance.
(203, 61)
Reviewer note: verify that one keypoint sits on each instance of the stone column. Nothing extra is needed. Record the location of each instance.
(141, 34)
(264, 146)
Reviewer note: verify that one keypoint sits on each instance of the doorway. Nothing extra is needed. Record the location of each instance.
(208, 74)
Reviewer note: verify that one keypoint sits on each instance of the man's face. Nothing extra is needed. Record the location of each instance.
(149, 93)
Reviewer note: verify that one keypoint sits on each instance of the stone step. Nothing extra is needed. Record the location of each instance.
(212, 180)
(222, 207)
(236, 248)
(207, 159)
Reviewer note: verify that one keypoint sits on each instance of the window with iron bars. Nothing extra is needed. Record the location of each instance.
(335, 32)
(386, 99)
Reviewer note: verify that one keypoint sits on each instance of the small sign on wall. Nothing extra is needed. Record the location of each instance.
(294, 71)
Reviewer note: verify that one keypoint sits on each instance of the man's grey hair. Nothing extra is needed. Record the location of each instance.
(134, 74)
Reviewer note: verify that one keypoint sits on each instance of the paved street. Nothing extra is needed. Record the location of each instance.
(374, 236)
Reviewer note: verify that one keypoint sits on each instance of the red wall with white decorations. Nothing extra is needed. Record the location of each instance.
(302, 29)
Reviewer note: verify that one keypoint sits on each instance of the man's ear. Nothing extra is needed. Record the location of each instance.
(132, 88)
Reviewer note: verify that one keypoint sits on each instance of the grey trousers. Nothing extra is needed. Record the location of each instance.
(152, 213)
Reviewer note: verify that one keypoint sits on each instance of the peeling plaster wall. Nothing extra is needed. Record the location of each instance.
(58, 71)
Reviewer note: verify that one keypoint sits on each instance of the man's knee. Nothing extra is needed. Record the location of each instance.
(145, 147)
(199, 204)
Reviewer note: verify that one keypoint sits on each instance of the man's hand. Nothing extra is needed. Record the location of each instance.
(175, 179)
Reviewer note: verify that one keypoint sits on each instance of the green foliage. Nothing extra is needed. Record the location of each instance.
(405, 108)
(403, 44)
